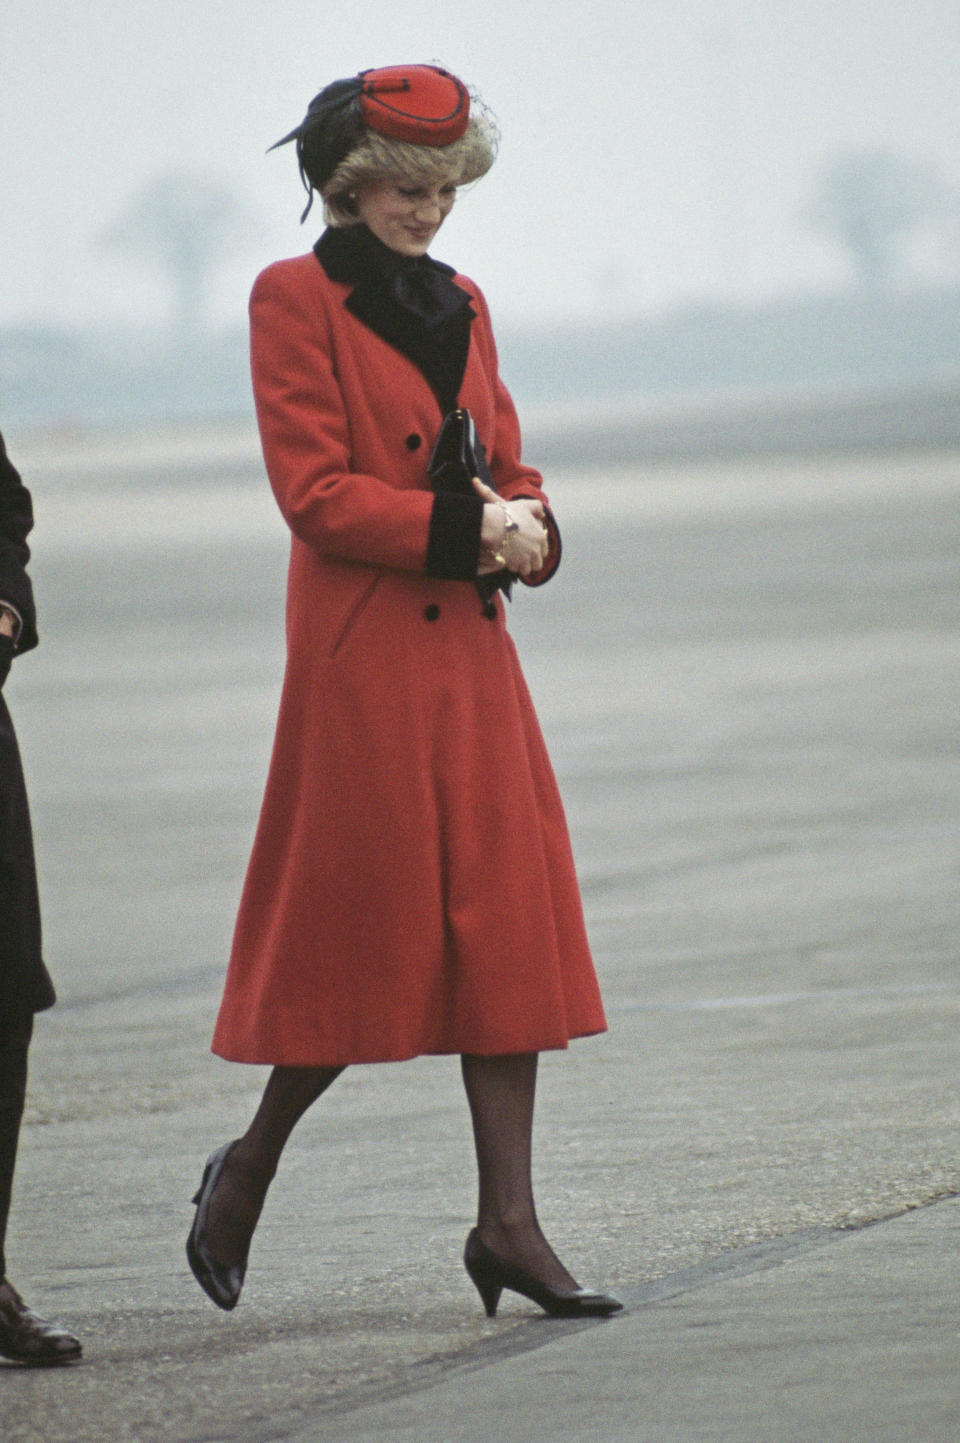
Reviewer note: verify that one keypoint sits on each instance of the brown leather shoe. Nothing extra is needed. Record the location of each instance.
(25, 1338)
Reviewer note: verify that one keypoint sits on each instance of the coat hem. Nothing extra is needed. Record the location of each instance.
(290, 1060)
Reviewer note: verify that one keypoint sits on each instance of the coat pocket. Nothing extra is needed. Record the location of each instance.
(352, 618)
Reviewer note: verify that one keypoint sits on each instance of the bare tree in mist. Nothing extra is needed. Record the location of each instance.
(182, 222)
(874, 203)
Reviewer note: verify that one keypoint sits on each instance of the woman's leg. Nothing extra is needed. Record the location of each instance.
(240, 1192)
(501, 1093)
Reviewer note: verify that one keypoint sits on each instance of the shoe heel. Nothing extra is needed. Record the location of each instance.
(488, 1288)
(485, 1278)
(489, 1296)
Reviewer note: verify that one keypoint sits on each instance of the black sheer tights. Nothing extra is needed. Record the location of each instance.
(239, 1196)
(501, 1092)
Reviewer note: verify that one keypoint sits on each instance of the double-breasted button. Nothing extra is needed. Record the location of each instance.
(431, 612)
(414, 442)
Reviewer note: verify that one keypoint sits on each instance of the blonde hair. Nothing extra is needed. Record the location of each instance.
(378, 157)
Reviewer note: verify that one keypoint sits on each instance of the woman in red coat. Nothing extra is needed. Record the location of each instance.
(411, 888)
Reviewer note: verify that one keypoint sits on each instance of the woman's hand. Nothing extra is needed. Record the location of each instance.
(524, 550)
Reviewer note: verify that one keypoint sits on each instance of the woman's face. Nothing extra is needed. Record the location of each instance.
(405, 215)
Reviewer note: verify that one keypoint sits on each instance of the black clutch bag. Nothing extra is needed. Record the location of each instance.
(457, 456)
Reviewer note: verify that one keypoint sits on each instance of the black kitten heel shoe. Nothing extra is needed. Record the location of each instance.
(490, 1275)
(220, 1283)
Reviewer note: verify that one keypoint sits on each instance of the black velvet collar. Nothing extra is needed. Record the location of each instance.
(411, 302)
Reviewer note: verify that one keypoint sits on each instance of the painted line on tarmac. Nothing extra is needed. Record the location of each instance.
(787, 999)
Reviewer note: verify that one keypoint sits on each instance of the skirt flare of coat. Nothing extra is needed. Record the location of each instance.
(411, 887)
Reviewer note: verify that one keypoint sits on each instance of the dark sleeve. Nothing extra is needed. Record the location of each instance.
(16, 521)
(453, 545)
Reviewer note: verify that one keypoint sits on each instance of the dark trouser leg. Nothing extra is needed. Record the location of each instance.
(501, 1092)
(240, 1193)
(24, 1337)
(14, 1045)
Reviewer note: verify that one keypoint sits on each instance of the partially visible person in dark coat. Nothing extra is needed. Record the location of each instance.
(25, 986)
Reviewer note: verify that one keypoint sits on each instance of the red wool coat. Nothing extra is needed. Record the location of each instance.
(411, 887)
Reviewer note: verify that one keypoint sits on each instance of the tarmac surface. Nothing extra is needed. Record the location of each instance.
(748, 677)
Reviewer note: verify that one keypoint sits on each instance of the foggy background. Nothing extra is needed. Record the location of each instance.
(689, 198)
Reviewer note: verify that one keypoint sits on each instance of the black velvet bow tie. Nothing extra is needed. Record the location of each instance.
(419, 285)
(423, 286)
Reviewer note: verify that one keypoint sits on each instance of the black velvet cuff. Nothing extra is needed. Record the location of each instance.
(15, 589)
(453, 547)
